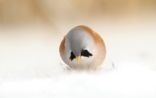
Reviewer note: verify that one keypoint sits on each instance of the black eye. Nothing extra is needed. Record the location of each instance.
(86, 53)
(72, 56)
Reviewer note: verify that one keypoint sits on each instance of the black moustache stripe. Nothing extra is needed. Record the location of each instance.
(84, 53)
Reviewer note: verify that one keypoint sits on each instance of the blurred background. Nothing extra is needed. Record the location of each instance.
(31, 31)
(55, 12)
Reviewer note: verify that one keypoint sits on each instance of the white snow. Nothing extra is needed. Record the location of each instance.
(30, 65)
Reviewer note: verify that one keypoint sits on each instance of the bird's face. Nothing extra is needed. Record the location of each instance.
(82, 53)
(80, 47)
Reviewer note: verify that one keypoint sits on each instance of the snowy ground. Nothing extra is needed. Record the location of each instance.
(30, 66)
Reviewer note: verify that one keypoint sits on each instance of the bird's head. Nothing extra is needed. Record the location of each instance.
(80, 44)
(82, 48)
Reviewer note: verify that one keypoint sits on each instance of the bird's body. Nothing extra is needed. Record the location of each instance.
(82, 48)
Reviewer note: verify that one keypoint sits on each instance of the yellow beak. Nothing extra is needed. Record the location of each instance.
(78, 59)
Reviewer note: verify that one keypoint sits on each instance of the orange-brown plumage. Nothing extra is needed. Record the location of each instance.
(97, 50)
(62, 46)
(95, 35)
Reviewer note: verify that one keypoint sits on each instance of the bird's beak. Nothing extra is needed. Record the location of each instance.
(78, 59)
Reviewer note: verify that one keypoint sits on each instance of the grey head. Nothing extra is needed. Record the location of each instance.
(79, 40)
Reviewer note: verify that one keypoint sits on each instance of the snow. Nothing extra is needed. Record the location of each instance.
(30, 65)
(117, 83)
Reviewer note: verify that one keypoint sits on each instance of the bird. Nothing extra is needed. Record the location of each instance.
(82, 48)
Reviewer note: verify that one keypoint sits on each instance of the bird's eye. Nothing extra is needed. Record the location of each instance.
(86, 53)
(72, 56)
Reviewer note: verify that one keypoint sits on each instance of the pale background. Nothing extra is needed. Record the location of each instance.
(30, 34)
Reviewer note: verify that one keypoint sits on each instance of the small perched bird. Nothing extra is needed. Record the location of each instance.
(82, 48)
